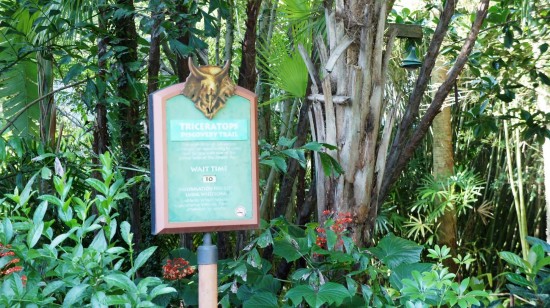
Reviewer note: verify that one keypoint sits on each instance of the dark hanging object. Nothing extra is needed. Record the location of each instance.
(411, 61)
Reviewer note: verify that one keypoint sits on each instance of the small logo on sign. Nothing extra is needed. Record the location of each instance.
(240, 211)
(209, 179)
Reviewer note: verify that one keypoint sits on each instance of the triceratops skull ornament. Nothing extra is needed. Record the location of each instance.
(209, 87)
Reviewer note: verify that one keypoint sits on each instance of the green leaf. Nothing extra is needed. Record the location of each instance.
(160, 290)
(121, 282)
(518, 279)
(61, 237)
(52, 286)
(125, 232)
(74, 295)
(40, 212)
(34, 234)
(265, 239)
(98, 185)
(46, 173)
(329, 293)
(254, 258)
(262, 299)
(280, 163)
(284, 248)
(513, 259)
(141, 259)
(7, 230)
(545, 79)
(313, 146)
(74, 71)
(99, 243)
(287, 143)
(51, 199)
(393, 251)
(404, 271)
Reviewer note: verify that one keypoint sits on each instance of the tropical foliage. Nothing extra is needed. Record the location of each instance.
(355, 211)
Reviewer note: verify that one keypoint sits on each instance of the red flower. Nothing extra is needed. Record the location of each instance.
(10, 266)
(177, 269)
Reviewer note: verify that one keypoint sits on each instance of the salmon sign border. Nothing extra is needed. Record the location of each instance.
(171, 208)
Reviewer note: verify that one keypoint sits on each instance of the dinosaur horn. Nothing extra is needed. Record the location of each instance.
(194, 70)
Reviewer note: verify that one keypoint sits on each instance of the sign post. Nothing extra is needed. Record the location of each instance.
(204, 163)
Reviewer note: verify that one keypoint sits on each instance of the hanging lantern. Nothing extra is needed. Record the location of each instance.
(411, 62)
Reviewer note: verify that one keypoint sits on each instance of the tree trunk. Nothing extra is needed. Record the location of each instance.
(247, 70)
(543, 102)
(100, 125)
(357, 27)
(131, 130)
(443, 163)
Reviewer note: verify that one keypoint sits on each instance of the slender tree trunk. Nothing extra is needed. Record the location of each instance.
(182, 68)
(153, 67)
(229, 35)
(543, 102)
(289, 178)
(443, 163)
(100, 126)
(247, 70)
(131, 130)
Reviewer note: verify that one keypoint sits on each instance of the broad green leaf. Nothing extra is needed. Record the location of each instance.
(46, 173)
(74, 295)
(7, 230)
(265, 239)
(99, 300)
(513, 259)
(288, 250)
(254, 258)
(52, 286)
(51, 199)
(98, 185)
(122, 282)
(146, 282)
(141, 259)
(261, 300)
(61, 237)
(518, 279)
(160, 290)
(287, 143)
(404, 271)
(393, 251)
(99, 243)
(34, 234)
(40, 212)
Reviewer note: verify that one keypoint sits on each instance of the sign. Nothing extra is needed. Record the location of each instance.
(204, 169)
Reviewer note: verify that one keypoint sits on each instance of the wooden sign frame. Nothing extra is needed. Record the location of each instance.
(159, 142)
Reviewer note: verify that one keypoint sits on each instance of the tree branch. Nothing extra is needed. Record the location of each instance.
(29, 105)
(399, 161)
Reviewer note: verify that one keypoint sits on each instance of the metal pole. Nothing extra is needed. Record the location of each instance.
(207, 255)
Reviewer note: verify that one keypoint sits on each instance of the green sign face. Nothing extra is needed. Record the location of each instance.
(209, 166)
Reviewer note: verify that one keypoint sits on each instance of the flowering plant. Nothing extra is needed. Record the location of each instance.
(335, 225)
(8, 263)
(177, 269)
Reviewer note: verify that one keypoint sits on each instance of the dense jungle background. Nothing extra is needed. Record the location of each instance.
(382, 183)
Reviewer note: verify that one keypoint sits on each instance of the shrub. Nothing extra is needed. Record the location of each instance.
(69, 255)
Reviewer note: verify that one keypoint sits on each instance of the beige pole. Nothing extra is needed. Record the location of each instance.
(207, 255)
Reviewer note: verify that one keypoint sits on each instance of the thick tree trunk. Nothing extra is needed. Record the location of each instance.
(370, 165)
(131, 130)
